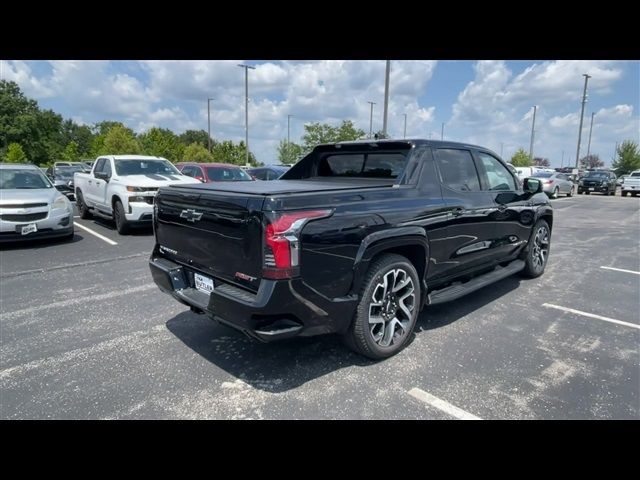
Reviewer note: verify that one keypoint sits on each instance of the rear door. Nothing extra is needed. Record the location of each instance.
(471, 232)
(217, 233)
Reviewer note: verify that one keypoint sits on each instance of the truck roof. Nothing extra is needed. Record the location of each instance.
(133, 157)
(408, 141)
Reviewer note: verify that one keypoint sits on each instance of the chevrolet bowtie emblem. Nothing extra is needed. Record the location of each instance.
(191, 215)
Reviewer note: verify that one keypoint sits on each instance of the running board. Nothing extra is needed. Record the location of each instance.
(454, 292)
(98, 213)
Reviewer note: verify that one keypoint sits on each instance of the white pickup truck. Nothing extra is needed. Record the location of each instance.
(631, 184)
(122, 188)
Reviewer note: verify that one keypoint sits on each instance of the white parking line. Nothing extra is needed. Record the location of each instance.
(591, 315)
(440, 404)
(101, 237)
(621, 270)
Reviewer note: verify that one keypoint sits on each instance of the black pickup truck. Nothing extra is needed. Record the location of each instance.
(355, 239)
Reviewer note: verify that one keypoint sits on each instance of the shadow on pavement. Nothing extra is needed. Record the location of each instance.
(287, 364)
(40, 243)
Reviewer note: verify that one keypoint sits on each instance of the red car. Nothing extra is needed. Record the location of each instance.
(214, 172)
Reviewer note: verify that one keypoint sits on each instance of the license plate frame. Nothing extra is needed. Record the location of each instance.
(29, 228)
(203, 283)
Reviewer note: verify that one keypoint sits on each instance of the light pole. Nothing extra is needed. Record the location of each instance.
(209, 121)
(405, 125)
(562, 161)
(289, 129)
(533, 126)
(371, 120)
(501, 148)
(386, 98)
(246, 109)
(590, 130)
(442, 132)
(584, 101)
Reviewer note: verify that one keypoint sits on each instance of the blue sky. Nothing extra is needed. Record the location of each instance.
(484, 102)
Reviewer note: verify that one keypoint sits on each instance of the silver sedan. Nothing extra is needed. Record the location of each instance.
(30, 206)
(554, 184)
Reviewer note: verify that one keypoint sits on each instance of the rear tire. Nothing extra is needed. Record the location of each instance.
(82, 207)
(623, 193)
(121, 221)
(389, 306)
(570, 194)
(539, 247)
(555, 192)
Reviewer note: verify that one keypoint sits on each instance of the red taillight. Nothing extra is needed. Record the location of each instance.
(548, 181)
(281, 242)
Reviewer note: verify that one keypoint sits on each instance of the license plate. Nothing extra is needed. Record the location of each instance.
(29, 229)
(591, 189)
(204, 284)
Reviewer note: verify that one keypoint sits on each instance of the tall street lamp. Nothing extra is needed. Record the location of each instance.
(371, 120)
(405, 125)
(386, 98)
(584, 101)
(246, 109)
(533, 132)
(590, 130)
(209, 121)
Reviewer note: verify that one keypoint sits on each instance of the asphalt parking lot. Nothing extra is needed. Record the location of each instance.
(87, 335)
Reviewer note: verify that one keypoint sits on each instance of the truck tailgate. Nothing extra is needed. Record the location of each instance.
(214, 232)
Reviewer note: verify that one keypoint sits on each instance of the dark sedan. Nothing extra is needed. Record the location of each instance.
(598, 181)
(62, 179)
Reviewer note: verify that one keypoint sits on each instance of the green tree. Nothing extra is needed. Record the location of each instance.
(228, 152)
(591, 161)
(317, 133)
(71, 153)
(80, 134)
(289, 152)
(196, 153)
(521, 159)
(162, 142)
(194, 136)
(15, 154)
(120, 140)
(627, 158)
(541, 162)
(102, 128)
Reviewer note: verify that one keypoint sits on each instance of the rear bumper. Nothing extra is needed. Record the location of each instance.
(591, 188)
(280, 309)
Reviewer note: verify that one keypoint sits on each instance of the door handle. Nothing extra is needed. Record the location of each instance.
(89, 181)
(456, 212)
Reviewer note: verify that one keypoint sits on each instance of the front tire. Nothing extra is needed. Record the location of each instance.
(623, 193)
(121, 221)
(388, 308)
(538, 253)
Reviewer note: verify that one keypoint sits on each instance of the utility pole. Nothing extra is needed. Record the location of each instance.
(209, 121)
(562, 161)
(501, 148)
(584, 101)
(590, 130)
(386, 98)
(442, 132)
(533, 126)
(371, 120)
(405, 125)
(289, 129)
(246, 109)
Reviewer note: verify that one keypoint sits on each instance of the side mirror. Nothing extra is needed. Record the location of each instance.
(200, 177)
(532, 185)
(101, 176)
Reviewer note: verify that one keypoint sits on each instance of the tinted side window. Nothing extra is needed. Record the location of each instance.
(106, 168)
(99, 165)
(498, 176)
(457, 169)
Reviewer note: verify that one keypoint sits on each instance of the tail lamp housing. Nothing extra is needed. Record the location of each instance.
(281, 247)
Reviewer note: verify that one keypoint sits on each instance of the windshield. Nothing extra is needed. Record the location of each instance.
(635, 174)
(225, 174)
(13, 178)
(145, 167)
(66, 172)
(596, 175)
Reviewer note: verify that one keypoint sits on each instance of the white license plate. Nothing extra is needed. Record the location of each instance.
(591, 189)
(204, 284)
(29, 229)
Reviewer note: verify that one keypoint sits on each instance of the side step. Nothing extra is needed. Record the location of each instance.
(98, 213)
(454, 292)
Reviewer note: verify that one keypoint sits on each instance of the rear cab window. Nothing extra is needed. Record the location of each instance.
(457, 169)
